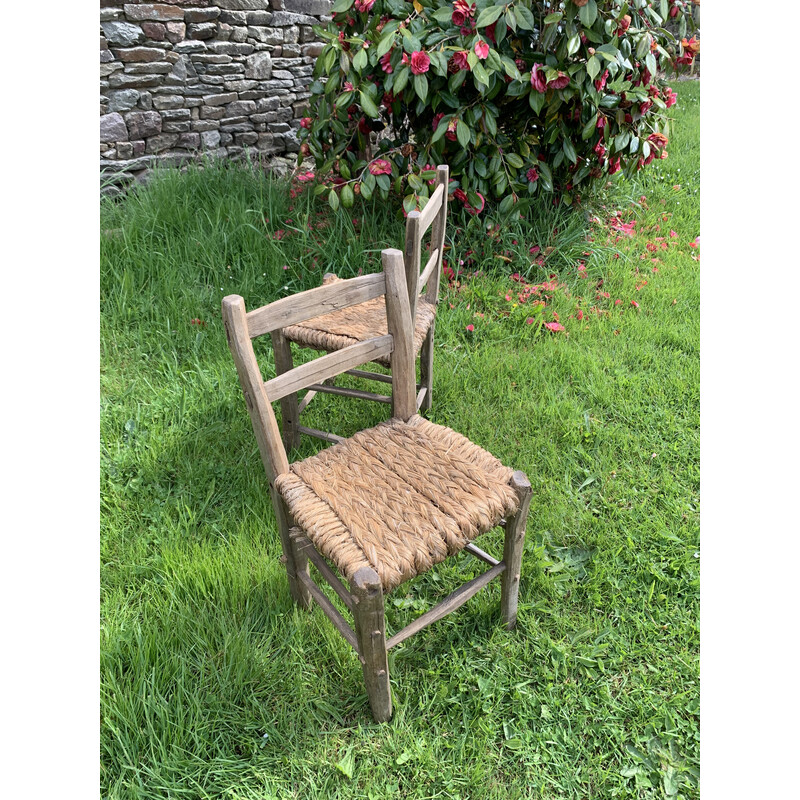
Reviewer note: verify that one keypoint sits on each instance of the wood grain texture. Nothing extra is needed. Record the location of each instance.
(265, 425)
(438, 236)
(412, 256)
(317, 434)
(398, 317)
(430, 266)
(370, 622)
(290, 412)
(327, 366)
(483, 556)
(314, 302)
(512, 550)
(450, 603)
(358, 394)
(369, 376)
(305, 545)
(428, 214)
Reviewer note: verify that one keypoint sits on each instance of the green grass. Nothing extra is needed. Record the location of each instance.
(214, 685)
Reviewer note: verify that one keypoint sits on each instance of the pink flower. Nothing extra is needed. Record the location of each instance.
(533, 175)
(670, 98)
(436, 120)
(554, 326)
(614, 165)
(380, 167)
(600, 83)
(481, 49)
(529, 321)
(459, 60)
(559, 82)
(634, 304)
(470, 327)
(673, 235)
(601, 122)
(420, 62)
(348, 87)
(305, 176)
(538, 80)
(305, 122)
(364, 5)
(386, 62)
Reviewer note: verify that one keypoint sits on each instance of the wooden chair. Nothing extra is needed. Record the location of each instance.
(388, 503)
(342, 327)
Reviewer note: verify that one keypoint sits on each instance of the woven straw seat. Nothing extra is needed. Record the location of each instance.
(347, 326)
(399, 498)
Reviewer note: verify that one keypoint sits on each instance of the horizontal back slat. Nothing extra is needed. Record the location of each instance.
(428, 270)
(327, 366)
(432, 207)
(314, 302)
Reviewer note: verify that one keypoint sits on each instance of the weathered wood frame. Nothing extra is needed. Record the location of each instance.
(418, 278)
(364, 597)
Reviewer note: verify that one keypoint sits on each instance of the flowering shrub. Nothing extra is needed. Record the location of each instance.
(518, 97)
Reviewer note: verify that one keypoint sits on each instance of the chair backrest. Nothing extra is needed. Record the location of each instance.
(241, 327)
(434, 216)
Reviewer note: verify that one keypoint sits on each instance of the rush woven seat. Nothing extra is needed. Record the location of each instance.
(399, 498)
(389, 502)
(339, 329)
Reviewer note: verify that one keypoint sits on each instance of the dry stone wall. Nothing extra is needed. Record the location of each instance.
(180, 78)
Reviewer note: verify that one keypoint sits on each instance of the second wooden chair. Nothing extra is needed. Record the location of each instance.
(343, 327)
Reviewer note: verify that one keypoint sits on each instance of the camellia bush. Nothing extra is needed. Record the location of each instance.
(519, 98)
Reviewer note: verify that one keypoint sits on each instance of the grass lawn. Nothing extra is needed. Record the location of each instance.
(215, 686)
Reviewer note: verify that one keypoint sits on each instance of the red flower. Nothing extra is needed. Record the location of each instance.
(554, 326)
(459, 60)
(670, 98)
(420, 62)
(600, 149)
(614, 165)
(490, 33)
(645, 107)
(305, 122)
(600, 83)
(658, 140)
(532, 174)
(624, 24)
(481, 49)
(538, 80)
(386, 62)
(470, 327)
(364, 5)
(462, 13)
(380, 167)
(436, 120)
(601, 122)
(560, 82)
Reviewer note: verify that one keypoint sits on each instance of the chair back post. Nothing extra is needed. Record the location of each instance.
(412, 258)
(265, 425)
(437, 235)
(400, 324)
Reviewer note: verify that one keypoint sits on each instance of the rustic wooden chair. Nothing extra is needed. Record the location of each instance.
(388, 503)
(336, 329)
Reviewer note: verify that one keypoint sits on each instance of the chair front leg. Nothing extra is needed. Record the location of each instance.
(512, 551)
(370, 624)
(294, 559)
(290, 414)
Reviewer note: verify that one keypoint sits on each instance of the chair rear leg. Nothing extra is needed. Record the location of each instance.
(512, 551)
(290, 414)
(426, 369)
(370, 625)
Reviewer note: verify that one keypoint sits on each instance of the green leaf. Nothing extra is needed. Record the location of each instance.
(480, 74)
(463, 134)
(368, 106)
(590, 126)
(573, 43)
(421, 86)
(347, 765)
(569, 150)
(551, 18)
(511, 20)
(441, 128)
(536, 100)
(366, 191)
(347, 196)
(442, 14)
(410, 202)
(384, 182)
(650, 63)
(385, 45)
(643, 46)
(360, 61)
(593, 66)
(514, 160)
(588, 13)
(333, 200)
(400, 81)
(493, 60)
(341, 5)
(505, 206)
(490, 15)
(525, 19)
(545, 177)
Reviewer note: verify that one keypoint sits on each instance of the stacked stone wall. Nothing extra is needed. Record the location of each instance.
(179, 78)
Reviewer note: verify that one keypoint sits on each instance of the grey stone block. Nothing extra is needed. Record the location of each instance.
(156, 12)
(315, 7)
(122, 81)
(123, 100)
(202, 30)
(142, 124)
(112, 128)
(154, 68)
(201, 14)
(122, 34)
(219, 99)
(210, 139)
(162, 142)
(283, 18)
(259, 67)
